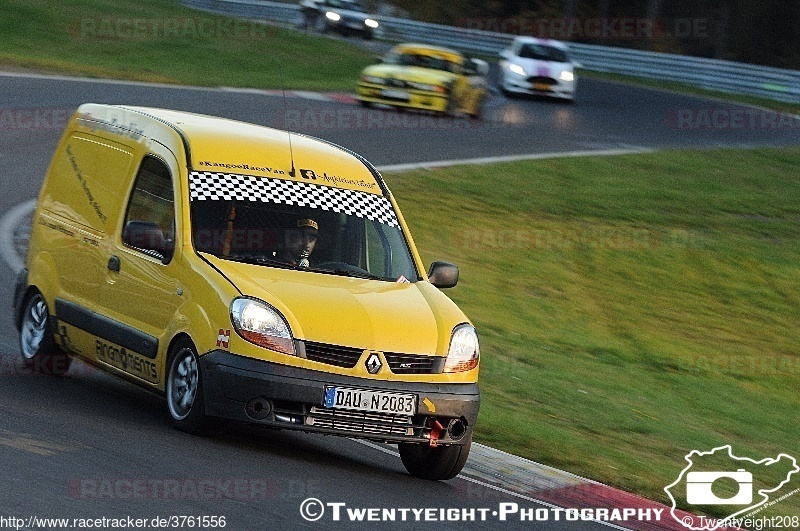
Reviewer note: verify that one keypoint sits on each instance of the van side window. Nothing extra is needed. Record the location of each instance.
(150, 218)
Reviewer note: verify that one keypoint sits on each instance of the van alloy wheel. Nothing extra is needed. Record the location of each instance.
(34, 327)
(185, 389)
(39, 350)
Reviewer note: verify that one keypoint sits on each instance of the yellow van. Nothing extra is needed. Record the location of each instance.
(246, 273)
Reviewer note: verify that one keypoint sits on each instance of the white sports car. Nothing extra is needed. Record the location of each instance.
(539, 67)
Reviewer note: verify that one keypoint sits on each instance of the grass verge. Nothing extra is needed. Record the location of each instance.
(631, 308)
(160, 41)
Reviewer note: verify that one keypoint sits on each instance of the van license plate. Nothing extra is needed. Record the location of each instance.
(371, 401)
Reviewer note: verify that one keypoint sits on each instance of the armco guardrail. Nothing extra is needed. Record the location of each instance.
(712, 74)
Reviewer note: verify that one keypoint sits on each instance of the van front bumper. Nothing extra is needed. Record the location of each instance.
(281, 396)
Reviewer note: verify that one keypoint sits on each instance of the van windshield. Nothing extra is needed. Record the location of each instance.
(289, 224)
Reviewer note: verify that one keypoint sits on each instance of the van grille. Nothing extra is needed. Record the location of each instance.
(360, 422)
(333, 355)
(414, 363)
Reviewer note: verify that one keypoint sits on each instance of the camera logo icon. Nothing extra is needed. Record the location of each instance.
(699, 491)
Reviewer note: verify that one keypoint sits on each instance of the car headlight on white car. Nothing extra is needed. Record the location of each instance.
(464, 351)
(371, 23)
(261, 324)
(516, 69)
(567, 75)
(331, 15)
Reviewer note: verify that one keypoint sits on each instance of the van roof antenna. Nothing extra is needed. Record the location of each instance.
(286, 119)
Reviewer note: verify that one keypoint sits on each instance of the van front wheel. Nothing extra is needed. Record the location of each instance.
(39, 350)
(185, 389)
(435, 463)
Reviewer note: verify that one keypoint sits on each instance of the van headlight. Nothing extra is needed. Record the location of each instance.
(464, 352)
(261, 324)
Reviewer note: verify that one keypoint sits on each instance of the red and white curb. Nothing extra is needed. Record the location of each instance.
(493, 474)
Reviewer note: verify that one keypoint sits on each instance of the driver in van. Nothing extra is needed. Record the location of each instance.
(298, 242)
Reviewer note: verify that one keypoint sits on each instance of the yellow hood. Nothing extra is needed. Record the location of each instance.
(368, 314)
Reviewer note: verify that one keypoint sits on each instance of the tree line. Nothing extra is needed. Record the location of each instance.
(764, 32)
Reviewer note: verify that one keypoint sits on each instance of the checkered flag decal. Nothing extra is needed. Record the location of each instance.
(209, 186)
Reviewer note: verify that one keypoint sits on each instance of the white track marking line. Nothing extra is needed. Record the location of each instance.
(513, 158)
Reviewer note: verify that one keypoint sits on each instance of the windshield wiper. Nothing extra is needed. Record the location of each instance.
(342, 272)
(357, 274)
(258, 260)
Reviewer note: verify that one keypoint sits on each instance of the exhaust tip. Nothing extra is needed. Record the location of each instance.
(289, 419)
(457, 428)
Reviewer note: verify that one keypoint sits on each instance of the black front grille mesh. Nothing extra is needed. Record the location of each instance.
(333, 355)
(543, 80)
(360, 422)
(414, 363)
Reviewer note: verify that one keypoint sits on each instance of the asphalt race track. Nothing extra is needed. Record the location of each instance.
(90, 446)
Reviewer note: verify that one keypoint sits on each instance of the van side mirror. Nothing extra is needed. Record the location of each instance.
(443, 274)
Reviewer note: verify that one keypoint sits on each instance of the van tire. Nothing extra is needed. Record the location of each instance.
(434, 463)
(184, 388)
(40, 353)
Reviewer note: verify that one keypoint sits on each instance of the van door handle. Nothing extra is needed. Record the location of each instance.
(114, 263)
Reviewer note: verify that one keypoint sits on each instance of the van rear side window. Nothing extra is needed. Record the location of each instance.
(150, 218)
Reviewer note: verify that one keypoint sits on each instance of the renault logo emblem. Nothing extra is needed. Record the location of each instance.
(373, 363)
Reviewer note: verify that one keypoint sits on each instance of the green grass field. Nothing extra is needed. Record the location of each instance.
(631, 308)
(160, 41)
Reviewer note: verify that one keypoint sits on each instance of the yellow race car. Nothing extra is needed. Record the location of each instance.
(430, 78)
